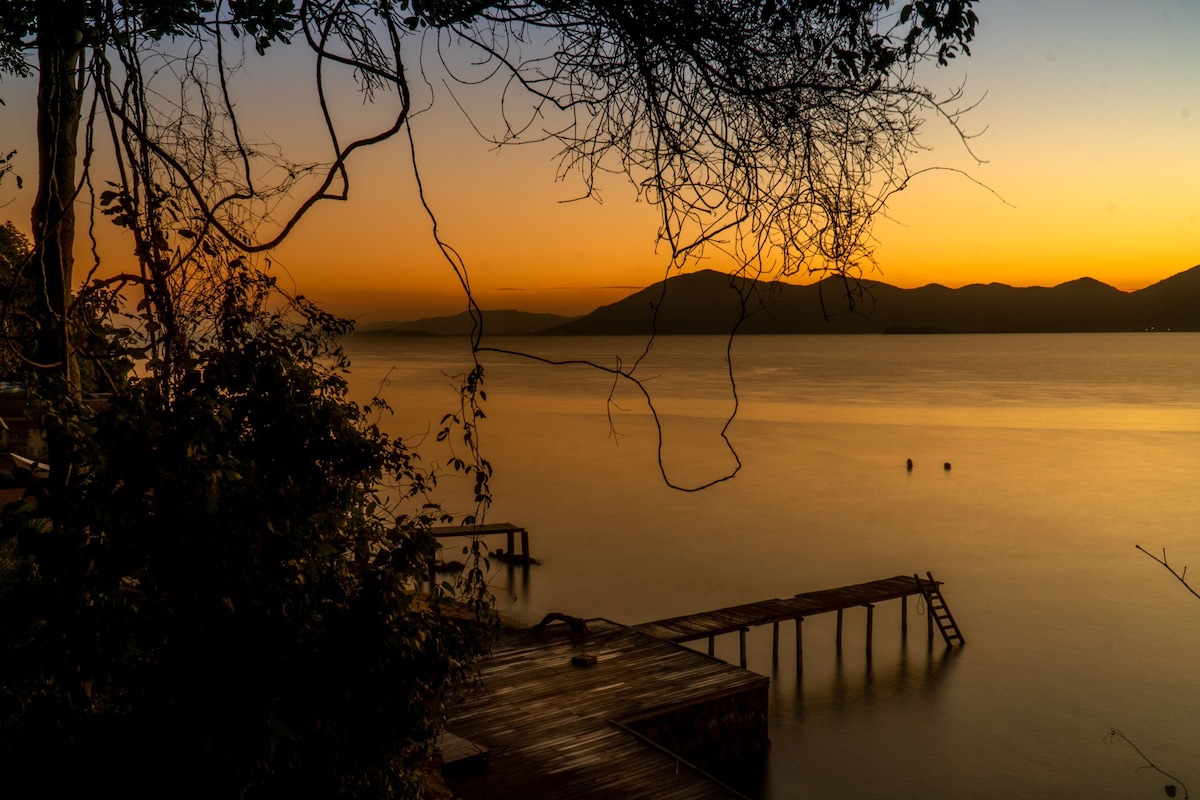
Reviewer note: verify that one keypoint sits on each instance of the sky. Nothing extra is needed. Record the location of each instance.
(1088, 122)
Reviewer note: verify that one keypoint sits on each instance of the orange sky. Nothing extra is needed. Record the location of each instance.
(1092, 117)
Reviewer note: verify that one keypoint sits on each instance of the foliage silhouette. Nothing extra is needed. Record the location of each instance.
(229, 604)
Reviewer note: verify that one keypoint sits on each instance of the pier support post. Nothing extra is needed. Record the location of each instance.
(839, 629)
(904, 617)
(742, 645)
(870, 625)
(525, 545)
(511, 552)
(712, 646)
(799, 646)
(775, 643)
(929, 620)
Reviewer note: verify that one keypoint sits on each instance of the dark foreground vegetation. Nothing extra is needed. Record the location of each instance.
(223, 600)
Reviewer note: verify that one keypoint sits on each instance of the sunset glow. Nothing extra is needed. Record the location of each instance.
(1089, 121)
(1090, 133)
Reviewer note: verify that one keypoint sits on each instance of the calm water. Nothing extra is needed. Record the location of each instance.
(1066, 452)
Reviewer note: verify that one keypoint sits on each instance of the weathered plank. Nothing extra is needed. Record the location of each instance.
(691, 627)
(554, 730)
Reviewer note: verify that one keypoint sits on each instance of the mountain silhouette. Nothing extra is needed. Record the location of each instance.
(495, 323)
(708, 302)
(1171, 304)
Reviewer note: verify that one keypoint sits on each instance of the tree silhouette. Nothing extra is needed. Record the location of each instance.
(775, 129)
(185, 563)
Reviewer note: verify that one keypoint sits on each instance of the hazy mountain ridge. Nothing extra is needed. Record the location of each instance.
(705, 302)
(495, 323)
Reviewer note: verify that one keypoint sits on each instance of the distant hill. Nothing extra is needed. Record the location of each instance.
(495, 323)
(708, 302)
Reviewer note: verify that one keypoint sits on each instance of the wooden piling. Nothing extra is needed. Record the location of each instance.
(799, 645)
(870, 625)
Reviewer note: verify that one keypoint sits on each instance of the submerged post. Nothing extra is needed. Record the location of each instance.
(799, 646)
(870, 625)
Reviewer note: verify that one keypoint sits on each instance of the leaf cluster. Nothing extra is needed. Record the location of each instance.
(107, 22)
(16, 299)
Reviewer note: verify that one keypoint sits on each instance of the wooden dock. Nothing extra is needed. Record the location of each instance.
(632, 725)
(506, 529)
(630, 713)
(739, 619)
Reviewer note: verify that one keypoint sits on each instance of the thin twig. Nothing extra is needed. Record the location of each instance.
(1179, 576)
(1170, 788)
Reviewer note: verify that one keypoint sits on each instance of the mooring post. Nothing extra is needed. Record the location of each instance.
(799, 646)
(870, 625)
(742, 644)
(775, 643)
(839, 630)
(904, 616)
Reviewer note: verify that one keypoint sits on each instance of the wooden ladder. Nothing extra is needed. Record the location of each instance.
(938, 611)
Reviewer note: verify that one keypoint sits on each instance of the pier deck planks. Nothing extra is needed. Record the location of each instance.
(691, 627)
(552, 730)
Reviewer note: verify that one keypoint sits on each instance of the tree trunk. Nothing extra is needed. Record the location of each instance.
(61, 26)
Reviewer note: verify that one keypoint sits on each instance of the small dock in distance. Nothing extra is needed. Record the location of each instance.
(739, 619)
(506, 529)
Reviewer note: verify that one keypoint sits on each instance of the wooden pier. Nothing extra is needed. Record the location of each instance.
(739, 619)
(506, 529)
(628, 712)
(636, 723)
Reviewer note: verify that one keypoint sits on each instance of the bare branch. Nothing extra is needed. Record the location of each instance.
(1170, 788)
(1179, 576)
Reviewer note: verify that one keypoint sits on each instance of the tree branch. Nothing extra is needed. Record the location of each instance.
(1179, 576)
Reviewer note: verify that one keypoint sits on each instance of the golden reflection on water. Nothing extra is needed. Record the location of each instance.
(1066, 452)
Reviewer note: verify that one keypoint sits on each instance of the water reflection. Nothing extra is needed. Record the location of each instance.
(513, 570)
(913, 673)
(1067, 450)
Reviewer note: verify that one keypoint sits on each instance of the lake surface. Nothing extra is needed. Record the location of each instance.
(1066, 451)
